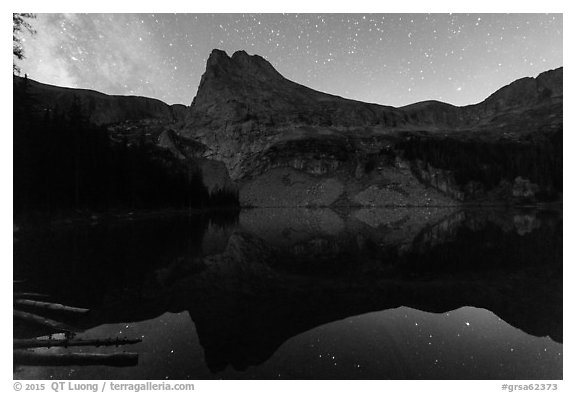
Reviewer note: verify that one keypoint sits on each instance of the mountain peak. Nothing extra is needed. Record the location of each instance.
(240, 54)
(238, 64)
(237, 78)
(217, 56)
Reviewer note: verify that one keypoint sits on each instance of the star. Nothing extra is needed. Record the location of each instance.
(369, 57)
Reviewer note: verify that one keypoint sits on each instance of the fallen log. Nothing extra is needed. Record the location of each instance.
(31, 358)
(33, 295)
(49, 306)
(47, 343)
(50, 323)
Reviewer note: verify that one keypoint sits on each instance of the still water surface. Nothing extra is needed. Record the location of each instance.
(307, 293)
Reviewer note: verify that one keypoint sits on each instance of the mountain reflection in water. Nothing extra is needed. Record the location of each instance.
(312, 293)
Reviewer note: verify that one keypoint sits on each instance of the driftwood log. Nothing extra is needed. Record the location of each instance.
(50, 323)
(30, 295)
(31, 358)
(47, 343)
(49, 306)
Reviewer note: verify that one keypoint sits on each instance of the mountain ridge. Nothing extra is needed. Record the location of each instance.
(233, 84)
(100, 108)
(284, 144)
(266, 128)
(242, 58)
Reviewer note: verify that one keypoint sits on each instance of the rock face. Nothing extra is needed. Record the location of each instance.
(288, 145)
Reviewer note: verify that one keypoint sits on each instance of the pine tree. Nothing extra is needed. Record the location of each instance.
(21, 24)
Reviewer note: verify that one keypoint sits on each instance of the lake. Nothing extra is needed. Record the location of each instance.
(406, 293)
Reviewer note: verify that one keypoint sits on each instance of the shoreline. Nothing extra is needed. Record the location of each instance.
(92, 217)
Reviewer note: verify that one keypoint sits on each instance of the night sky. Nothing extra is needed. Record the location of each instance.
(391, 59)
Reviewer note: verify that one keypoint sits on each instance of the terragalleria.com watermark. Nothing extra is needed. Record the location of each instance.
(105, 386)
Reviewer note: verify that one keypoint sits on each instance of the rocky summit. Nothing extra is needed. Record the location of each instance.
(281, 144)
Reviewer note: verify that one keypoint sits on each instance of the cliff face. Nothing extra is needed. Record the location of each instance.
(288, 145)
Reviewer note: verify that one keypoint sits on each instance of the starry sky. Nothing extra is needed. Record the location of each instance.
(389, 59)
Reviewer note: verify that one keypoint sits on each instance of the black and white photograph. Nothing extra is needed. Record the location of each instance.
(287, 196)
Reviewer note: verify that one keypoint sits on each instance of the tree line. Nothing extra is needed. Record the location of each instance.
(537, 157)
(63, 162)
